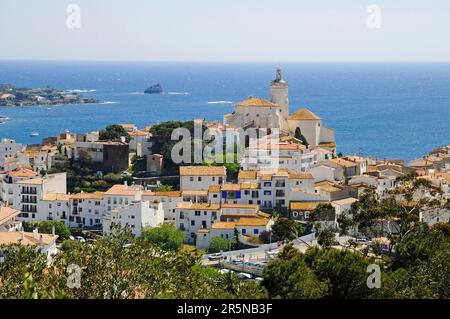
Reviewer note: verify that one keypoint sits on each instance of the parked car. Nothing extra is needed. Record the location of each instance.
(237, 261)
(80, 239)
(244, 275)
(217, 256)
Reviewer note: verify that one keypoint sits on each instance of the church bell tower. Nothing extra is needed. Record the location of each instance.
(279, 94)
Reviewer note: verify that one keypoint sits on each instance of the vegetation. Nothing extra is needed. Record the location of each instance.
(166, 236)
(41, 96)
(298, 135)
(112, 269)
(163, 143)
(46, 227)
(83, 178)
(284, 229)
(219, 244)
(164, 188)
(114, 132)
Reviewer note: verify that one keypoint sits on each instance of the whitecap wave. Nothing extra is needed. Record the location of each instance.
(178, 93)
(220, 102)
(80, 91)
(110, 102)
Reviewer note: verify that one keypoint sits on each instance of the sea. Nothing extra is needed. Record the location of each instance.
(384, 110)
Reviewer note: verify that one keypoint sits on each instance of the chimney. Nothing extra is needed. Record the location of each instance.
(53, 230)
(22, 234)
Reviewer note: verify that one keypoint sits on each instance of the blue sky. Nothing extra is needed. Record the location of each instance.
(226, 30)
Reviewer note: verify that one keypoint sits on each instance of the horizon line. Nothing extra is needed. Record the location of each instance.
(222, 61)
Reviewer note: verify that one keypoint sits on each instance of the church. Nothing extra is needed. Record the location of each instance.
(261, 113)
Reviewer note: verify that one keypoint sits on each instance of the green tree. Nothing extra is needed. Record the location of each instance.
(84, 159)
(111, 268)
(165, 188)
(298, 135)
(46, 227)
(165, 236)
(326, 238)
(163, 143)
(289, 277)
(284, 229)
(114, 132)
(218, 244)
(344, 271)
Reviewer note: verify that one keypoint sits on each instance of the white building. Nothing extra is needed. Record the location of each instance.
(28, 194)
(136, 216)
(45, 243)
(260, 113)
(169, 201)
(201, 177)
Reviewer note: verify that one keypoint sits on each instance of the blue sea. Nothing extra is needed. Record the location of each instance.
(387, 110)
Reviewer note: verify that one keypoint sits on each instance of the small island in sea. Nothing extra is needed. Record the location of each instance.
(11, 95)
(154, 89)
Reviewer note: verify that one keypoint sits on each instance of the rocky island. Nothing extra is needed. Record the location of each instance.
(14, 96)
(154, 89)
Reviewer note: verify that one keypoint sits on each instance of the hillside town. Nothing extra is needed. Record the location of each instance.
(291, 177)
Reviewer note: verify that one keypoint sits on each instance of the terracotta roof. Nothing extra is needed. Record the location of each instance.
(342, 162)
(303, 115)
(308, 206)
(214, 189)
(55, 197)
(169, 194)
(244, 206)
(345, 201)
(249, 185)
(256, 102)
(202, 171)
(7, 213)
(198, 206)
(231, 187)
(10, 238)
(194, 193)
(121, 189)
(295, 175)
(223, 225)
(252, 222)
(203, 231)
(327, 144)
(247, 175)
(138, 133)
(23, 172)
(33, 181)
(95, 195)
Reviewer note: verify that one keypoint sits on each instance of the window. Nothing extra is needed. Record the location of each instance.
(244, 231)
(199, 179)
(192, 222)
(191, 179)
(255, 231)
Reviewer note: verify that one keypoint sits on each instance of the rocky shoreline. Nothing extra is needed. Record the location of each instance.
(14, 96)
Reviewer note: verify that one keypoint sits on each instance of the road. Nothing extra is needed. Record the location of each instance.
(260, 253)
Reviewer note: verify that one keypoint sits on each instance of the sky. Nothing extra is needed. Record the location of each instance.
(226, 30)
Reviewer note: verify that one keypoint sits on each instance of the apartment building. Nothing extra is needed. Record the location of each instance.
(136, 216)
(201, 177)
